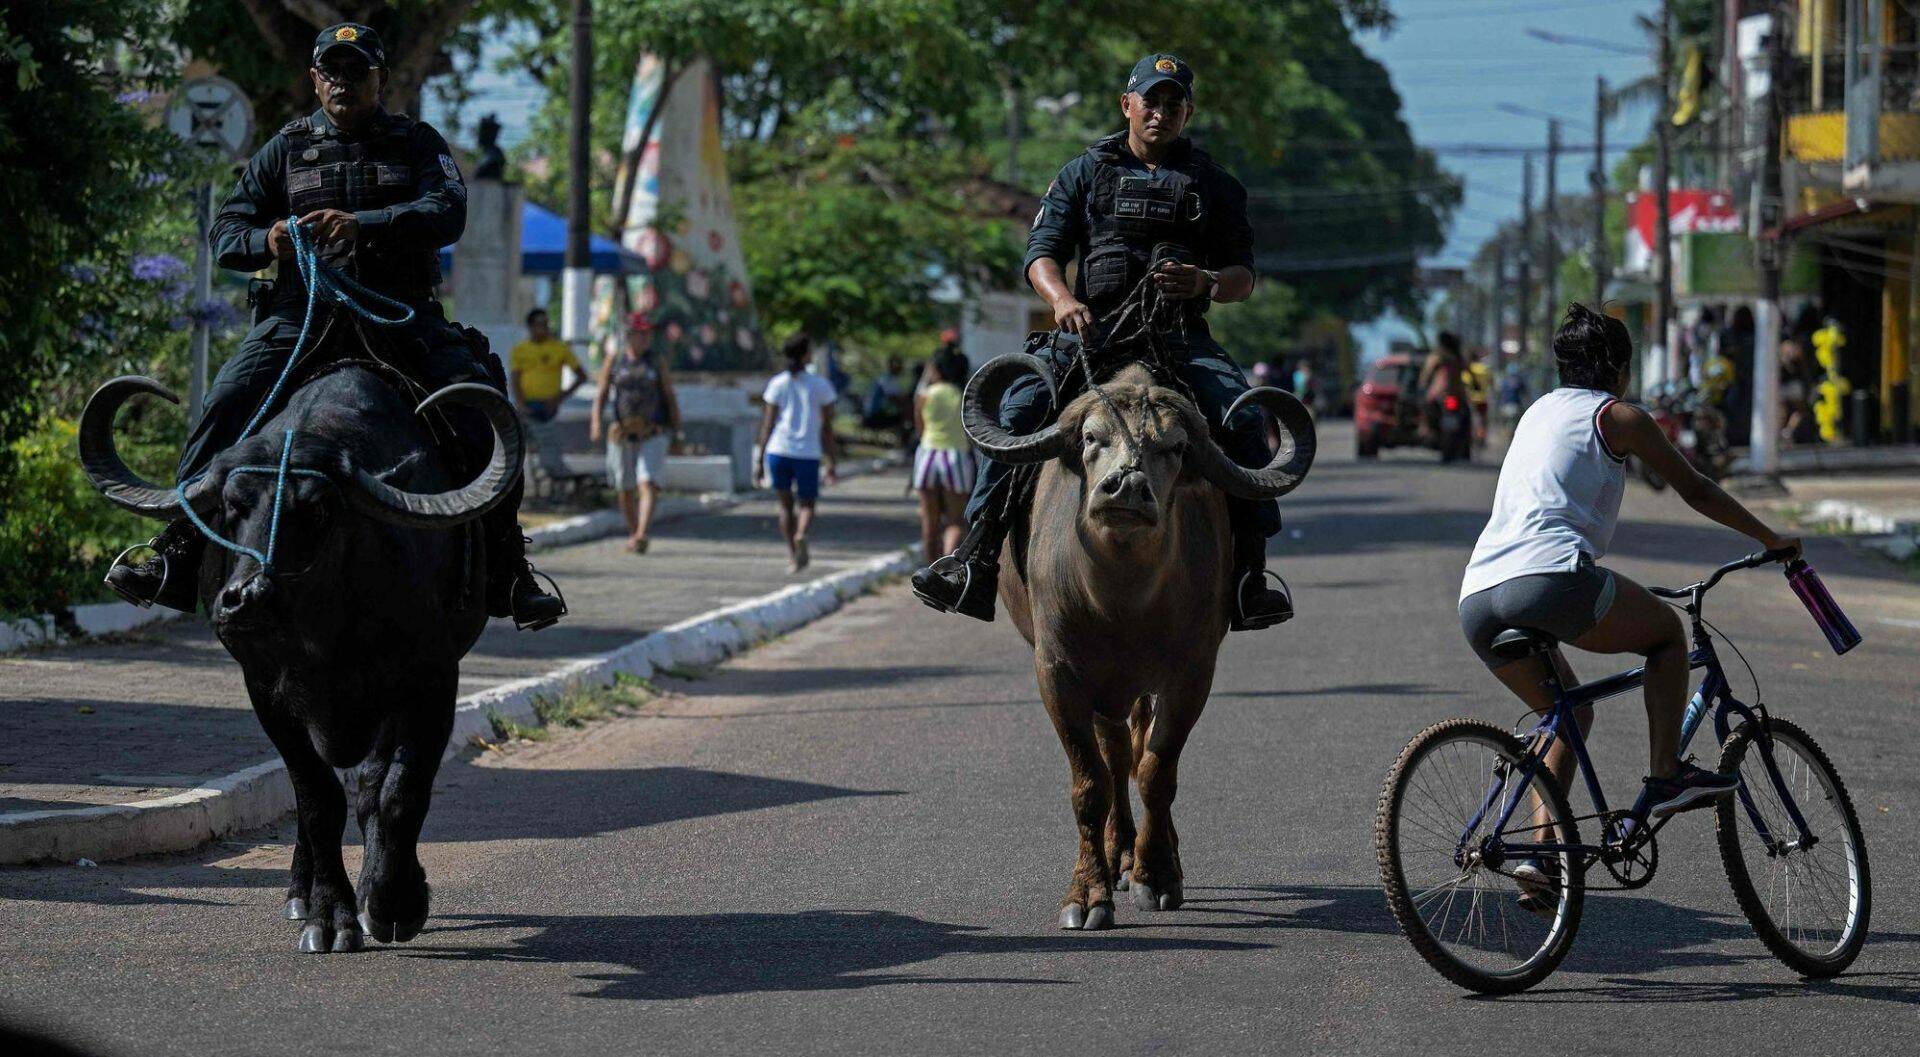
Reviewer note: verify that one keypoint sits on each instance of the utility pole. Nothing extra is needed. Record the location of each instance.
(1551, 268)
(1497, 302)
(1525, 284)
(1763, 436)
(1662, 221)
(576, 280)
(1597, 180)
(1013, 132)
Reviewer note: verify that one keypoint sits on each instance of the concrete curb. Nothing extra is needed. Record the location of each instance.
(105, 618)
(261, 794)
(1896, 537)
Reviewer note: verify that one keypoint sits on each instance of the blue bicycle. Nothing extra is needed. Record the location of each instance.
(1483, 863)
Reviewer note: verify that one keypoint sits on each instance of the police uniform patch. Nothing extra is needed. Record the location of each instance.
(347, 33)
(447, 166)
(1167, 66)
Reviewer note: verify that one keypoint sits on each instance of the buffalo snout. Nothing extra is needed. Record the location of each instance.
(1125, 493)
(246, 601)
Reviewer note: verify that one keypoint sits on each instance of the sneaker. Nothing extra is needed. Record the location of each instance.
(954, 586)
(1690, 787)
(1539, 881)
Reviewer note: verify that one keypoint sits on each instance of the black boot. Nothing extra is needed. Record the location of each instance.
(169, 577)
(967, 580)
(1255, 602)
(514, 588)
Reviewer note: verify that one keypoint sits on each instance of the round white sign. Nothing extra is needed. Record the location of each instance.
(212, 113)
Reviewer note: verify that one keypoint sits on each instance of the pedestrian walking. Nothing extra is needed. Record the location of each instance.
(796, 437)
(943, 466)
(635, 406)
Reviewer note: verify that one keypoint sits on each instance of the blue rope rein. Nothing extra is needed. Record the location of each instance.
(321, 280)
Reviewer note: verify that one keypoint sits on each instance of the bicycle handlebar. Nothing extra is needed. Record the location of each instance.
(1751, 561)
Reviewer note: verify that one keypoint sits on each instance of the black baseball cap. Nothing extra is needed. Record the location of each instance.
(350, 35)
(1160, 67)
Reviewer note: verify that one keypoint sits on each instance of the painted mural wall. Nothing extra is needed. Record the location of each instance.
(679, 219)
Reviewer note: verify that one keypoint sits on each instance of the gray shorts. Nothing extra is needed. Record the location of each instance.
(1565, 605)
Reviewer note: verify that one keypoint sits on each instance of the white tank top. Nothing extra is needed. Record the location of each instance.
(1558, 497)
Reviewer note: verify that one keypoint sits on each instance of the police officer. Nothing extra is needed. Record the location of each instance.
(1142, 202)
(380, 194)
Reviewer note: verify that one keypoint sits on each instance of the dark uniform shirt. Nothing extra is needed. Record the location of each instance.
(1064, 227)
(428, 210)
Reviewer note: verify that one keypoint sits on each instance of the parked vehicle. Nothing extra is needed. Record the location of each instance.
(1697, 429)
(1388, 413)
(1385, 414)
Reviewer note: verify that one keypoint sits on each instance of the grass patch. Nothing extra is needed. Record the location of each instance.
(580, 705)
(505, 729)
(685, 673)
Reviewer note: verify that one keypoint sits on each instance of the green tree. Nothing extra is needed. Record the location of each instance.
(93, 272)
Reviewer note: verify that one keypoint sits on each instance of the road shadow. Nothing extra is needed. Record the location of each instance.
(509, 803)
(668, 957)
(743, 681)
(1367, 689)
(1353, 909)
(121, 884)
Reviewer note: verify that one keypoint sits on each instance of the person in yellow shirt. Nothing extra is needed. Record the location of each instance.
(535, 366)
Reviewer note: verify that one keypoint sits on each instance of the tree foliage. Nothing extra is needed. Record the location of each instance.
(1344, 199)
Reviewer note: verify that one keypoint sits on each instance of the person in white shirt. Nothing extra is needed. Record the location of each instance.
(1536, 565)
(796, 437)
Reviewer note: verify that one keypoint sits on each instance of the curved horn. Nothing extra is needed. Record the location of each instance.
(1288, 467)
(376, 498)
(980, 411)
(109, 474)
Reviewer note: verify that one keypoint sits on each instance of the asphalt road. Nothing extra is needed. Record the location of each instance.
(854, 841)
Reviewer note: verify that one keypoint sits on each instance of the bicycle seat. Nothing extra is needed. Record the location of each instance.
(1516, 643)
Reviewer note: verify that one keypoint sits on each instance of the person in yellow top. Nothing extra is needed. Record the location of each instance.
(1479, 382)
(535, 366)
(943, 467)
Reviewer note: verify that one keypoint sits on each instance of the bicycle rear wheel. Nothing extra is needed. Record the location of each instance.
(1437, 810)
(1810, 905)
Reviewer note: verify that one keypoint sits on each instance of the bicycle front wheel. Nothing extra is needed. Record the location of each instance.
(1453, 891)
(1808, 900)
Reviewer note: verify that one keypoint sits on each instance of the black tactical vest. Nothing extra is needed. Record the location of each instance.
(325, 171)
(1133, 222)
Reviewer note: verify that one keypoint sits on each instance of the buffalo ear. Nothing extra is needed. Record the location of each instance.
(1072, 421)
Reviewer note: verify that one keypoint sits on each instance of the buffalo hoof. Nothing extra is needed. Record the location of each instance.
(319, 939)
(1146, 897)
(1126, 880)
(1076, 916)
(402, 930)
(295, 910)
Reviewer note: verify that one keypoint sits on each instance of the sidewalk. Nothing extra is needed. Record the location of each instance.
(1884, 508)
(164, 712)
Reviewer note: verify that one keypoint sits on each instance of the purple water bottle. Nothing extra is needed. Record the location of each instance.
(1840, 632)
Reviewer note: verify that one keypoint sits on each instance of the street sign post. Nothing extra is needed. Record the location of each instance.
(212, 114)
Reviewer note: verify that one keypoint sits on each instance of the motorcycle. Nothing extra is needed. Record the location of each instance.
(1454, 435)
(1695, 428)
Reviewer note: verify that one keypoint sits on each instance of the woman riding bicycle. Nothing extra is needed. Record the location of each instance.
(1554, 512)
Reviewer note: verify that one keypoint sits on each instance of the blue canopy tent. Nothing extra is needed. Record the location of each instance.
(543, 247)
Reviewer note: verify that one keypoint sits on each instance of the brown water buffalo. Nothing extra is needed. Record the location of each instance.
(1123, 596)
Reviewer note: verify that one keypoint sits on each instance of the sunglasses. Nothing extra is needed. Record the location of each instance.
(344, 75)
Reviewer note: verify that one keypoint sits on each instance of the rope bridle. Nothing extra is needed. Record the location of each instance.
(322, 280)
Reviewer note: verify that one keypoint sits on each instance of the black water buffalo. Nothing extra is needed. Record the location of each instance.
(351, 636)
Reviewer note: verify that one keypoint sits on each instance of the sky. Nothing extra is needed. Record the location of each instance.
(1453, 61)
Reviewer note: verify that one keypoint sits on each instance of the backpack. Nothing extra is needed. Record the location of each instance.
(637, 399)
